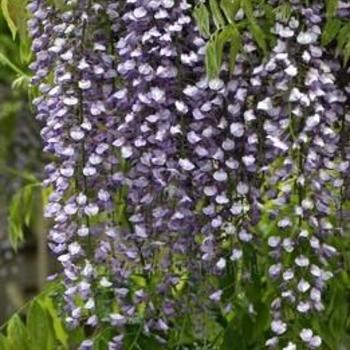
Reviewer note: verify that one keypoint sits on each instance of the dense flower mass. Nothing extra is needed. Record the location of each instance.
(309, 176)
(162, 177)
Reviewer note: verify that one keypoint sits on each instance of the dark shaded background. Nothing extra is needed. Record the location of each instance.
(22, 274)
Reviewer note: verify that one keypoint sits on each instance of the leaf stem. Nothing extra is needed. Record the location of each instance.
(6, 62)
(137, 336)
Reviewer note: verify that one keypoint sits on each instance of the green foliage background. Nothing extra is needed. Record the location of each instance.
(38, 324)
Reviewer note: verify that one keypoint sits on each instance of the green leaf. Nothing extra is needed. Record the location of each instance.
(10, 22)
(3, 342)
(339, 316)
(17, 334)
(39, 328)
(149, 343)
(220, 41)
(259, 36)
(201, 14)
(229, 35)
(330, 30)
(283, 12)
(16, 16)
(331, 6)
(59, 330)
(346, 54)
(59, 4)
(16, 234)
(21, 213)
(76, 336)
(256, 31)
(22, 82)
(230, 9)
(7, 62)
(232, 338)
(211, 58)
(25, 48)
(235, 48)
(248, 9)
(343, 38)
(27, 201)
(322, 328)
(102, 339)
(218, 19)
(262, 320)
(228, 282)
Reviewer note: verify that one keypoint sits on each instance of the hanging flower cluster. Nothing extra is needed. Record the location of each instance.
(75, 77)
(310, 174)
(159, 172)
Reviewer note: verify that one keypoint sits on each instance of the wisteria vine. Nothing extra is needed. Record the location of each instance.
(161, 177)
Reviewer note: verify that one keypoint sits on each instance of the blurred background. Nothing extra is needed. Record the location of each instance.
(24, 262)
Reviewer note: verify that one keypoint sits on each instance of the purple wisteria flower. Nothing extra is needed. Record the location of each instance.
(160, 175)
(75, 73)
